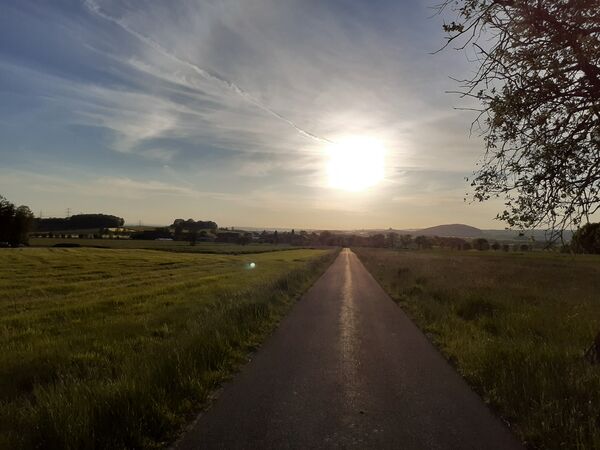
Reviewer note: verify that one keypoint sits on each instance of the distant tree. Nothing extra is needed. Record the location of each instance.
(587, 239)
(325, 237)
(181, 225)
(453, 243)
(15, 223)
(152, 234)
(538, 83)
(505, 247)
(378, 240)
(244, 239)
(405, 240)
(206, 225)
(7, 213)
(495, 246)
(392, 239)
(423, 242)
(23, 224)
(94, 221)
(79, 221)
(193, 237)
(462, 244)
(481, 244)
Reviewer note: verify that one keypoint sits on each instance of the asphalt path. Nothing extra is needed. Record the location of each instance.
(347, 369)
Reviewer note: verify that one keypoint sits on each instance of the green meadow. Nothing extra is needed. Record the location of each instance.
(515, 326)
(171, 246)
(113, 348)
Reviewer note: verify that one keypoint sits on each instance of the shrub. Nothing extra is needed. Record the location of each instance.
(481, 244)
(587, 239)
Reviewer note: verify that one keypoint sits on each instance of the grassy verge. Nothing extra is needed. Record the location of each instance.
(515, 326)
(171, 246)
(116, 348)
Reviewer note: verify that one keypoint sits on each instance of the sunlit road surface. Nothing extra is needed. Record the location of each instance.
(347, 369)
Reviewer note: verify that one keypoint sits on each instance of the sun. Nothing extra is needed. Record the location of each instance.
(355, 163)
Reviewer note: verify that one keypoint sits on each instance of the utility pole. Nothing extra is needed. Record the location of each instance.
(68, 212)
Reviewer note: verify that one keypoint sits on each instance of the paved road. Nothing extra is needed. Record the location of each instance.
(347, 369)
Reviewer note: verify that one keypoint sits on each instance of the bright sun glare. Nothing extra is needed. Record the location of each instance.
(355, 163)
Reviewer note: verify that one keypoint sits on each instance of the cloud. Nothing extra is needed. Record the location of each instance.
(281, 77)
(279, 74)
(135, 188)
(241, 97)
(103, 186)
(208, 75)
(256, 169)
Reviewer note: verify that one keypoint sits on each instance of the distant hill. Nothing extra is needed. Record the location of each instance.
(452, 230)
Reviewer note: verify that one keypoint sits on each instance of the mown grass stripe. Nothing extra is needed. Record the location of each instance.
(107, 364)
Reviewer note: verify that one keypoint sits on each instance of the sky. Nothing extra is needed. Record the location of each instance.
(228, 110)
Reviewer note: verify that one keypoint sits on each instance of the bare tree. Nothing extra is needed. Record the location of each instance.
(538, 84)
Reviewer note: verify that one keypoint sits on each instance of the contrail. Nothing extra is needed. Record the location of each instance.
(207, 75)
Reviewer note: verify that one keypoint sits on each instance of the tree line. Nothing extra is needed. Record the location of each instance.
(78, 222)
(15, 223)
(395, 240)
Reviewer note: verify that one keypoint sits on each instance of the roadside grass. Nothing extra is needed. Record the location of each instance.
(515, 326)
(171, 246)
(112, 349)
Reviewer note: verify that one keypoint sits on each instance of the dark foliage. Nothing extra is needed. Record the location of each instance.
(587, 239)
(157, 233)
(452, 243)
(192, 225)
(78, 222)
(538, 84)
(481, 244)
(423, 242)
(192, 230)
(15, 223)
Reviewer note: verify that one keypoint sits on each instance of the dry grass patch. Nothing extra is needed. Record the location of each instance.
(116, 348)
(515, 326)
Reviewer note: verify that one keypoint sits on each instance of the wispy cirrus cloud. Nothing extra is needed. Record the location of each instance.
(202, 72)
(235, 96)
(104, 185)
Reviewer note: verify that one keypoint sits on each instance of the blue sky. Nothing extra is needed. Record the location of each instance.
(222, 110)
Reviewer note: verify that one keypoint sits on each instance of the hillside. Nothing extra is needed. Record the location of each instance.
(452, 230)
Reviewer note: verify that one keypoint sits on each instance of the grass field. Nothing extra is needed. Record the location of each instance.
(117, 348)
(171, 246)
(515, 326)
